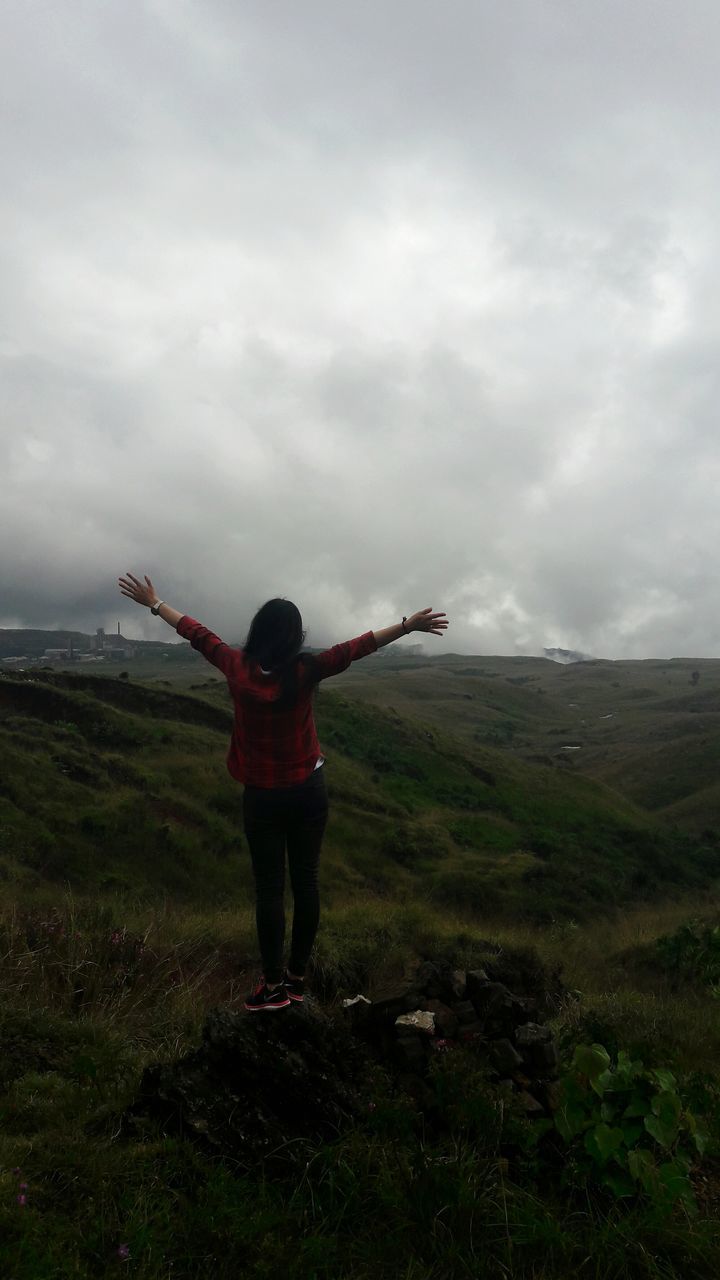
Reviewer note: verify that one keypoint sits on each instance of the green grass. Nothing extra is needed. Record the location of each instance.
(128, 792)
(385, 1199)
(643, 727)
(127, 913)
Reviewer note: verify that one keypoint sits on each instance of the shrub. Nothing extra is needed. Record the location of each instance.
(466, 890)
(693, 952)
(410, 843)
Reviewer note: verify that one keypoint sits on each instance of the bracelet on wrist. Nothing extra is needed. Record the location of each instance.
(407, 633)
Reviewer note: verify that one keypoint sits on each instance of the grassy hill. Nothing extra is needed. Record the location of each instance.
(126, 914)
(650, 730)
(113, 786)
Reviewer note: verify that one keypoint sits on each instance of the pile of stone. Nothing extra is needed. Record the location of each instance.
(442, 1008)
(269, 1087)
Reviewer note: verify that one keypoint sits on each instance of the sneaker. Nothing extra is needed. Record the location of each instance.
(263, 998)
(295, 988)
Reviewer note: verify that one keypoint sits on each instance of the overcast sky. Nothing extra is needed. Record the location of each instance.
(374, 306)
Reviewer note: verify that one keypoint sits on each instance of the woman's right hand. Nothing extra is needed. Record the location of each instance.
(134, 590)
(426, 620)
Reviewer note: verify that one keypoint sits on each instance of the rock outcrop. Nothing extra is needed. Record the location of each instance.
(260, 1086)
(269, 1086)
(444, 1008)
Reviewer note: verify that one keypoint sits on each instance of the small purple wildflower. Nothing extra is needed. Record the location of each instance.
(124, 1251)
(17, 1172)
(23, 1186)
(22, 1199)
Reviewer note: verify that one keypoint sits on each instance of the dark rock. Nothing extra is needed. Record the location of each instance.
(387, 1010)
(489, 997)
(531, 1034)
(414, 999)
(458, 983)
(499, 1009)
(522, 971)
(464, 1011)
(472, 1029)
(530, 1005)
(529, 1104)
(437, 980)
(504, 1022)
(475, 981)
(521, 1080)
(504, 1057)
(535, 1042)
(428, 979)
(446, 1022)
(259, 1085)
(265, 1089)
(552, 1094)
(544, 1057)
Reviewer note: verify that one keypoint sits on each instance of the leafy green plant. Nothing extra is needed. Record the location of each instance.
(627, 1127)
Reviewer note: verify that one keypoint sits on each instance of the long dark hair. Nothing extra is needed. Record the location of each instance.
(274, 641)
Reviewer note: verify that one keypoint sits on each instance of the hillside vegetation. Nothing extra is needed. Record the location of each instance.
(650, 729)
(458, 831)
(114, 786)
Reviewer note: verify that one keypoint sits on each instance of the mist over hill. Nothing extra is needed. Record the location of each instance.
(566, 656)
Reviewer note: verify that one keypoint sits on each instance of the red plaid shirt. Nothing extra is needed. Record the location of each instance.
(271, 746)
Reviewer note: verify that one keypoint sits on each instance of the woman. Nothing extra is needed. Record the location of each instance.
(274, 751)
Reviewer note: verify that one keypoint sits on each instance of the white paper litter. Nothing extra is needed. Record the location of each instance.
(355, 1000)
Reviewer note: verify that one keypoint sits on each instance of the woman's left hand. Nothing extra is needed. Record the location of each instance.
(426, 620)
(135, 590)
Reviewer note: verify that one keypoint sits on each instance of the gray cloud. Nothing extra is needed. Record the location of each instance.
(374, 306)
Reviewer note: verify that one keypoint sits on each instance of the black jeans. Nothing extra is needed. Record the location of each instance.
(275, 819)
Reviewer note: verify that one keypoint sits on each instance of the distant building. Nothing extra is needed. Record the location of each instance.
(56, 655)
(116, 649)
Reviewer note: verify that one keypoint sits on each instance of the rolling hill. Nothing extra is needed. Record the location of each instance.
(650, 730)
(110, 785)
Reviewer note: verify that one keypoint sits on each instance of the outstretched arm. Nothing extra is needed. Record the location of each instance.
(206, 642)
(423, 620)
(337, 659)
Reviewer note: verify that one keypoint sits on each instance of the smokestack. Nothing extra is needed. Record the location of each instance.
(118, 626)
